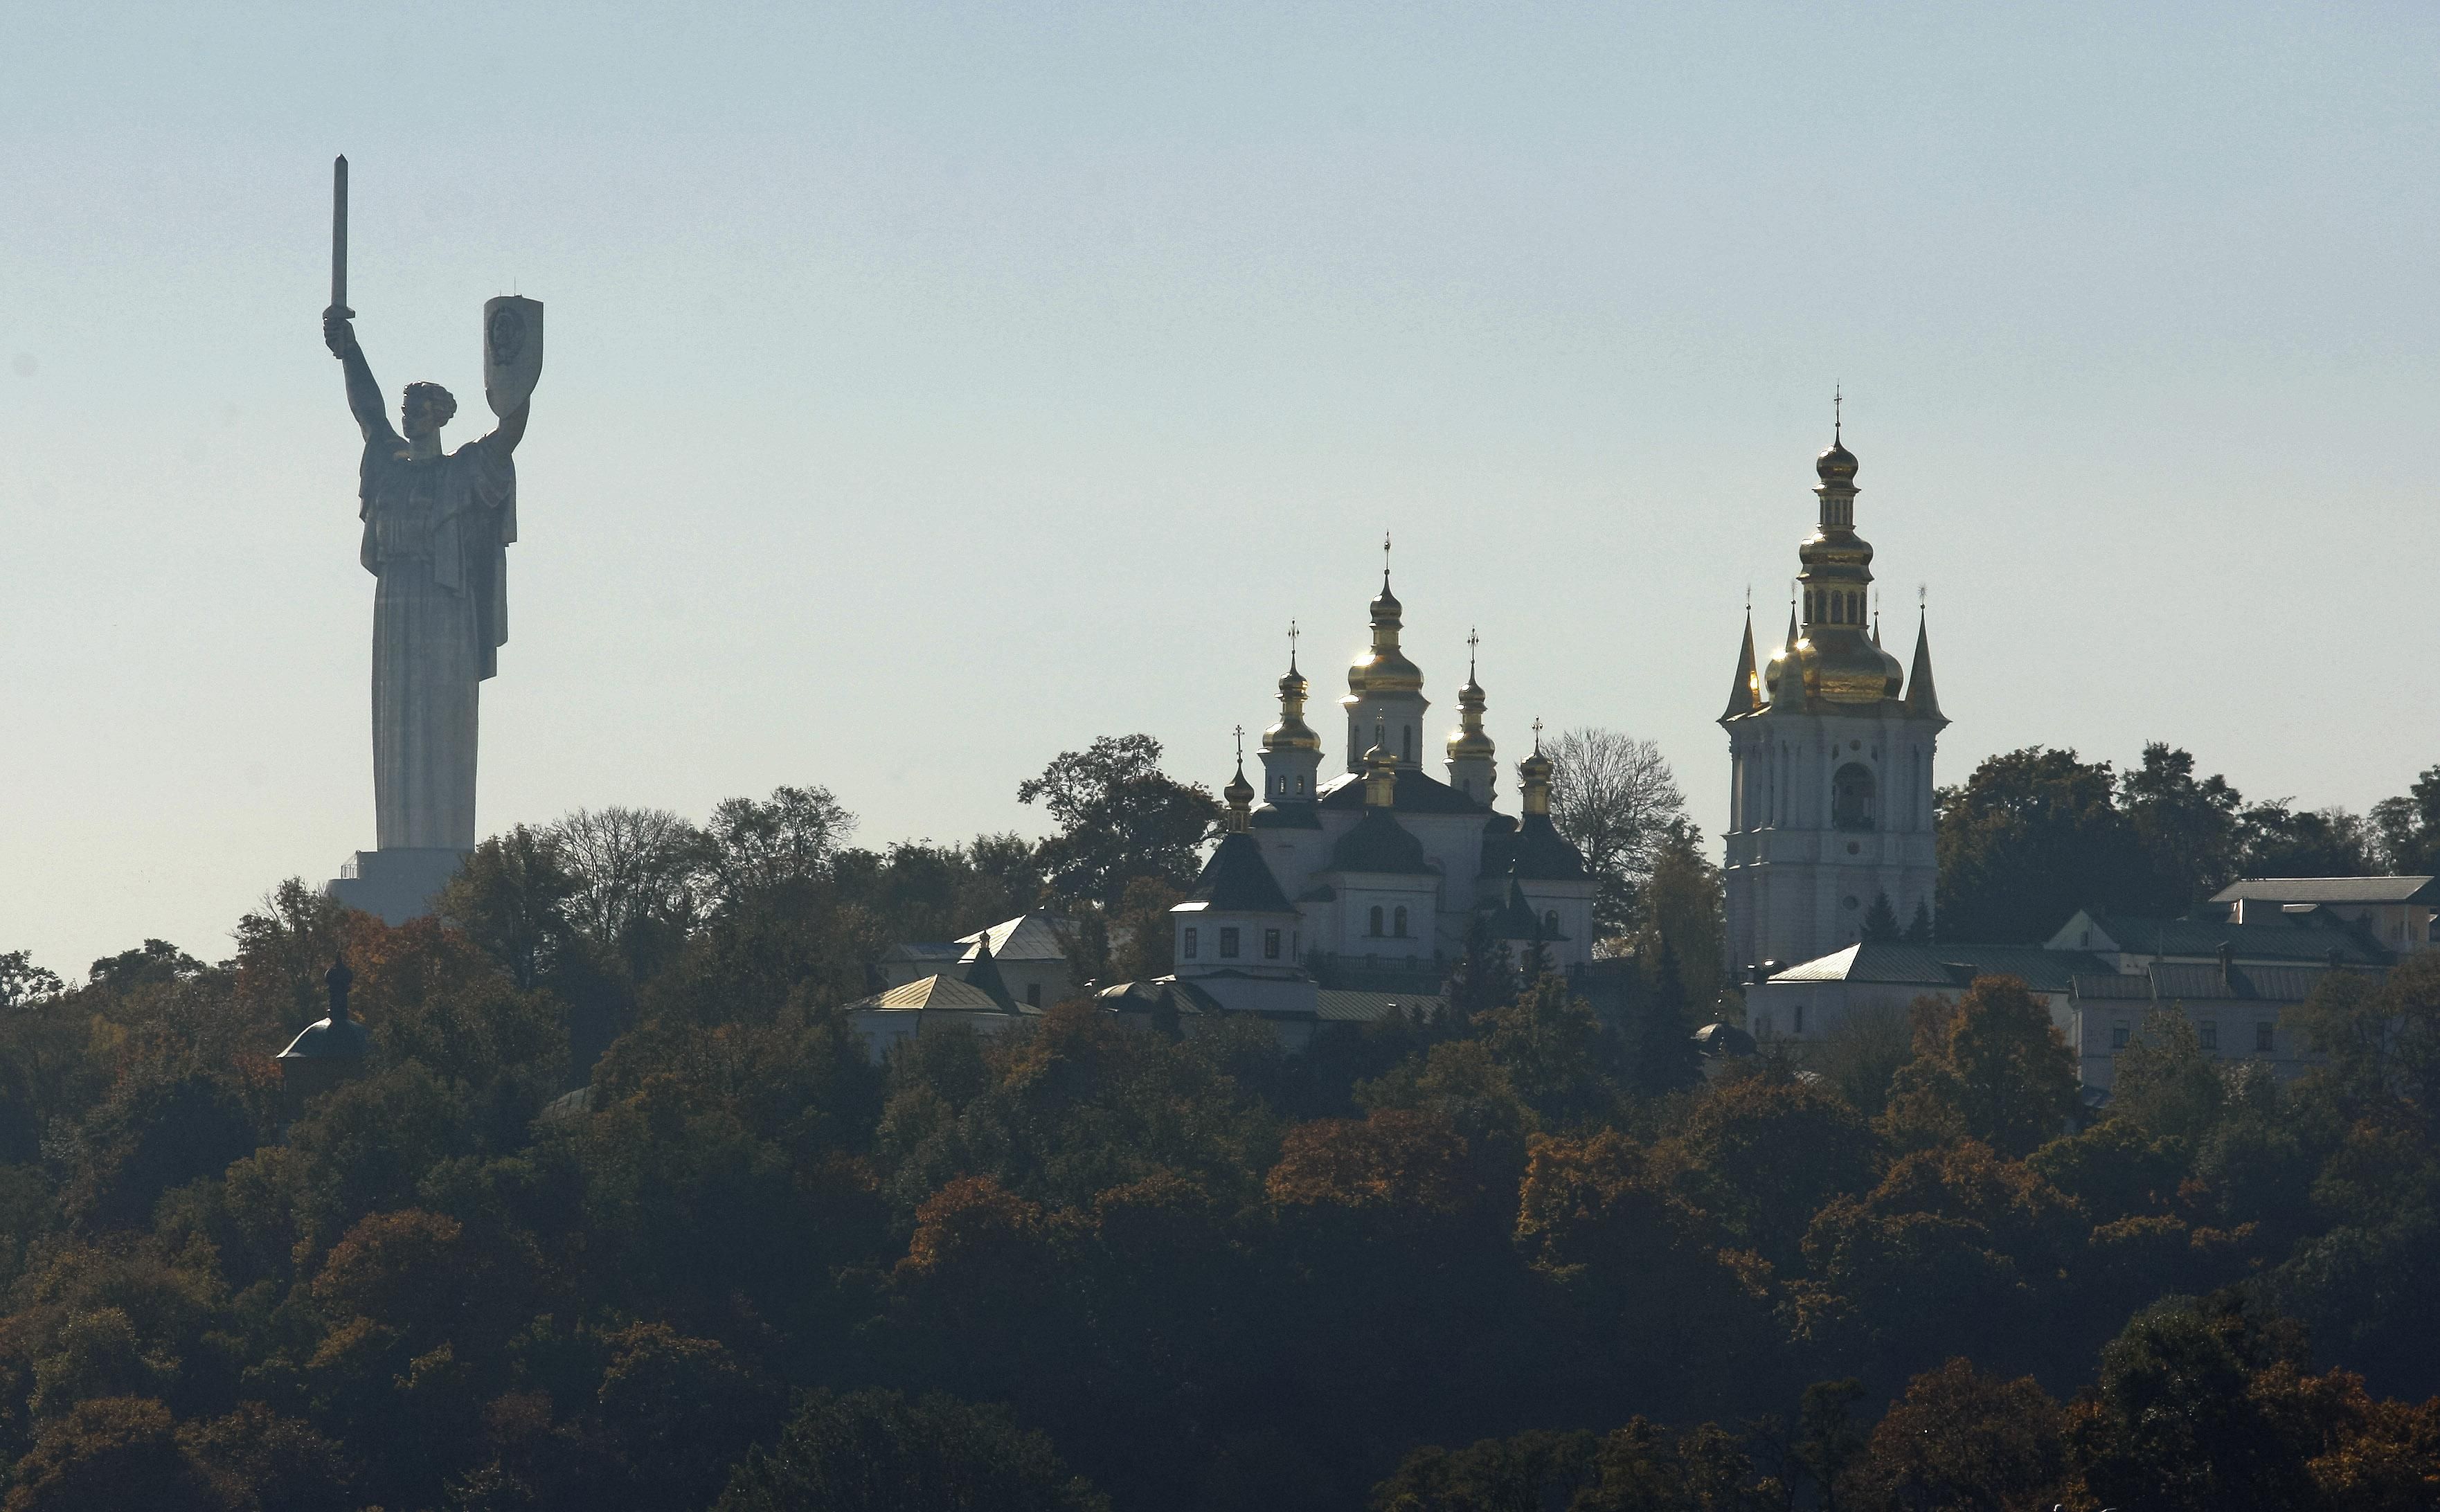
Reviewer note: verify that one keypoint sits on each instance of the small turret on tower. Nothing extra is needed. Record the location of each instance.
(1239, 793)
(1385, 690)
(1473, 760)
(1533, 778)
(1291, 750)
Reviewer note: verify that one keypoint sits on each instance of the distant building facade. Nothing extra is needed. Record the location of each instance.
(2401, 913)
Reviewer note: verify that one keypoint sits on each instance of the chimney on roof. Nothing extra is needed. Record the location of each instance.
(2227, 966)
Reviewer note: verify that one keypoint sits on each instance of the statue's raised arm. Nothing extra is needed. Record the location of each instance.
(364, 395)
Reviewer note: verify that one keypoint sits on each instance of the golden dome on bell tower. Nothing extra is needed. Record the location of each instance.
(1833, 657)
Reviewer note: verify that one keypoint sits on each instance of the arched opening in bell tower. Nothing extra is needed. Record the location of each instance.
(1852, 792)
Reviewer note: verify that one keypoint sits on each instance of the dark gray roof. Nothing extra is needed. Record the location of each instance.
(2331, 890)
(1417, 793)
(1544, 854)
(1896, 962)
(2182, 982)
(1369, 1007)
(1723, 1039)
(1285, 817)
(2303, 936)
(1238, 880)
(982, 973)
(1379, 843)
(346, 1040)
(924, 950)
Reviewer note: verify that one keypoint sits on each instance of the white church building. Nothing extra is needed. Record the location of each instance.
(1329, 887)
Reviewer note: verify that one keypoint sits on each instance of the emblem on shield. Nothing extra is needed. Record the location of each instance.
(512, 350)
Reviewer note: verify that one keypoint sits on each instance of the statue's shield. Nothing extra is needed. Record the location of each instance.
(512, 350)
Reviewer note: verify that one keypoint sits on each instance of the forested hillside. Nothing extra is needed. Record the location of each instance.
(1090, 1264)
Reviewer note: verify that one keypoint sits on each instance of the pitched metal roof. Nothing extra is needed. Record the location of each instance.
(2305, 937)
(1370, 1007)
(1898, 963)
(1379, 843)
(925, 950)
(1238, 880)
(2331, 890)
(1026, 937)
(2184, 981)
(1417, 792)
(935, 994)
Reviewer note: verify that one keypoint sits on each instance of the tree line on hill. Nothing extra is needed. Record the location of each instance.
(2034, 834)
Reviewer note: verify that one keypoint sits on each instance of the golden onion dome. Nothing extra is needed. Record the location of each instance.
(1384, 668)
(1471, 744)
(1468, 742)
(1238, 792)
(1835, 664)
(1291, 733)
(1835, 465)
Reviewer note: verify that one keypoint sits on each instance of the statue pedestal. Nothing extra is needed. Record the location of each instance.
(395, 884)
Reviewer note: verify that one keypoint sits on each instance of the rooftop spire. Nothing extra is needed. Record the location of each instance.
(1922, 696)
(1745, 693)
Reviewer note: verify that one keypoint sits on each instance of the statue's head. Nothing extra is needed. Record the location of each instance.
(426, 409)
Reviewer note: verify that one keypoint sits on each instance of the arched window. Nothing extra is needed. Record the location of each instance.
(1551, 924)
(1851, 797)
(1406, 738)
(1398, 923)
(1377, 919)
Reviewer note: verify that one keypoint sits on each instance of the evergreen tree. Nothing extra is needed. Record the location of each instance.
(1918, 929)
(1881, 921)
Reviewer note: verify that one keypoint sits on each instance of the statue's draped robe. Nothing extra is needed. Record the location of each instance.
(435, 538)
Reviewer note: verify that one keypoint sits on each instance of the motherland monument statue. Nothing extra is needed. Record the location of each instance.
(437, 529)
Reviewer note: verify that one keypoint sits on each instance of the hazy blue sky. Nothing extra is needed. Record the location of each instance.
(931, 389)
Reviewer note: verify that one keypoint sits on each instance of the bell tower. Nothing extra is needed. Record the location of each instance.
(1830, 747)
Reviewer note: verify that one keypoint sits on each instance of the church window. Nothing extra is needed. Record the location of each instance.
(1033, 995)
(1398, 923)
(1551, 924)
(2118, 1034)
(1299, 786)
(1408, 740)
(1228, 945)
(2208, 1032)
(1188, 949)
(2265, 1037)
(1271, 945)
(1375, 920)
(1798, 1014)
(1851, 797)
